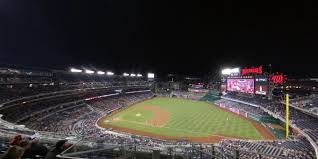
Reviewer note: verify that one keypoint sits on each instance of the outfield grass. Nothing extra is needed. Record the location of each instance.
(186, 119)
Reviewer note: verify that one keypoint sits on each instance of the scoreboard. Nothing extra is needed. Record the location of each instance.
(261, 85)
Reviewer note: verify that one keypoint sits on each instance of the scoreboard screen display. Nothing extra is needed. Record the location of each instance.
(241, 85)
(261, 89)
(261, 85)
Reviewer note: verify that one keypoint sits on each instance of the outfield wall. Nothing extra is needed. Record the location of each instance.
(210, 97)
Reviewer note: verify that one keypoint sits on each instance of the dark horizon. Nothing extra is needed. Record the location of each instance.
(196, 38)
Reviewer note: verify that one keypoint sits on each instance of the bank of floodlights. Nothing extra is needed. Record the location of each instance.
(229, 71)
(151, 75)
(125, 74)
(139, 75)
(100, 72)
(132, 75)
(75, 70)
(110, 73)
(89, 71)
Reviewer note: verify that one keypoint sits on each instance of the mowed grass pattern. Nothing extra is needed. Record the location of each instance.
(187, 119)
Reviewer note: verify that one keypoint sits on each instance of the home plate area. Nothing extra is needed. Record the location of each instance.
(138, 115)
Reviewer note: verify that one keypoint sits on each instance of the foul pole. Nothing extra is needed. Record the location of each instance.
(287, 116)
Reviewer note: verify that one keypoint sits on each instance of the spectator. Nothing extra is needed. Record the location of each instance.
(14, 152)
(35, 149)
(24, 144)
(60, 146)
(16, 140)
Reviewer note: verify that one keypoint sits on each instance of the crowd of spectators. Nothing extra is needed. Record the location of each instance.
(298, 148)
(74, 118)
(85, 126)
(7, 94)
(60, 122)
(309, 103)
(14, 113)
(118, 101)
(32, 148)
(11, 93)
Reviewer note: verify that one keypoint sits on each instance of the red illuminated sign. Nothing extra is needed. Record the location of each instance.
(257, 70)
(278, 79)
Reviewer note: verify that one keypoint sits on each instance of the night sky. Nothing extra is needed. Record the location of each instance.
(194, 38)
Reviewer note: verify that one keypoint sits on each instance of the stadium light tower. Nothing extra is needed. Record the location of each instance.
(75, 70)
(100, 72)
(235, 70)
(125, 74)
(229, 71)
(89, 71)
(151, 75)
(110, 73)
(132, 75)
(226, 71)
(139, 75)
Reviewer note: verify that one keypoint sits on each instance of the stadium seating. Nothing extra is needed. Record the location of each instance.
(69, 107)
(298, 148)
(309, 103)
(60, 115)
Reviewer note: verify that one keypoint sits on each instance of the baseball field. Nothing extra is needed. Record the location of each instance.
(181, 119)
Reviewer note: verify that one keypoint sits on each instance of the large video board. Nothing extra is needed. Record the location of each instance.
(241, 85)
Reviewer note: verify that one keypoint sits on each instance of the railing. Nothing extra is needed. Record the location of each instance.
(211, 152)
(192, 151)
